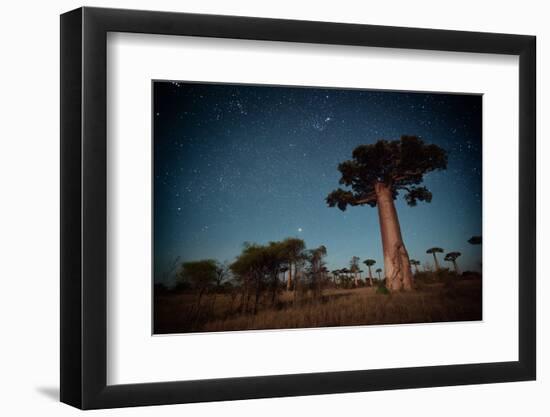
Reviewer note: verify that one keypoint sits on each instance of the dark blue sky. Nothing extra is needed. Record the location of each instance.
(237, 163)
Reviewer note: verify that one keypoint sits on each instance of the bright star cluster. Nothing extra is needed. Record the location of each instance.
(243, 163)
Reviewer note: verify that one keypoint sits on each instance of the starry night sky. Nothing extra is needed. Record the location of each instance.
(244, 163)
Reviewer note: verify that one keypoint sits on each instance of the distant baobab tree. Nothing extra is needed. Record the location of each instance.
(376, 174)
(346, 273)
(415, 263)
(369, 263)
(451, 257)
(433, 251)
(378, 271)
(315, 257)
(335, 274)
(475, 240)
(354, 268)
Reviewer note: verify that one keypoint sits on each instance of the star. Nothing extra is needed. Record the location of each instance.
(226, 157)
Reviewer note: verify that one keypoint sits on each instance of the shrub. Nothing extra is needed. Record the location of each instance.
(382, 290)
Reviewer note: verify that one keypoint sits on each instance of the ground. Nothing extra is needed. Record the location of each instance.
(459, 300)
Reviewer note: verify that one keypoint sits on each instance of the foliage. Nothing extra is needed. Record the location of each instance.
(316, 270)
(451, 256)
(354, 264)
(293, 249)
(399, 164)
(369, 262)
(475, 240)
(198, 275)
(382, 290)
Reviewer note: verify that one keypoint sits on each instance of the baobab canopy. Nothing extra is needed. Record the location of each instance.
(451, 256)
(399, 164)
(475, 240)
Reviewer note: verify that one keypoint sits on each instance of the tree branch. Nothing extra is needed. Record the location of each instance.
(408, 174)
(371, 198)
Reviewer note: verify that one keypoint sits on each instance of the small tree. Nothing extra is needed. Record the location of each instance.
(378, 271)
(415, 263)
(345, 274)
(294, 252)
(317, 265)
(433, 251)
(200, 276)
(451, 257)
(252, 266)
(354, 268)
(376, 174)
(222, 273)
(369, 263)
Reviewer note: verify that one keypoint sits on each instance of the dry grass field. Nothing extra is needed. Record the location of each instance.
(459, 300)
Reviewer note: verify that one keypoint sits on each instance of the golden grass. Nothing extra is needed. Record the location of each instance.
(361, 306)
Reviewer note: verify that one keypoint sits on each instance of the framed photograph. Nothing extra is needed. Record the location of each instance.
(258, 208)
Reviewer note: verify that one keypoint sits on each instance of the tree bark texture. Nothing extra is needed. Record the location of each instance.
(396, 259)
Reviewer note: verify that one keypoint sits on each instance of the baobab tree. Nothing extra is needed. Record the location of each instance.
(376, 174)
(354, 268)
(433, 251)
(475, 240)
(369, 263)
(294, 250)
(378, 271)
(415, 263)
(335, 274)
(345, 272)
(315, 257)
(451, 257)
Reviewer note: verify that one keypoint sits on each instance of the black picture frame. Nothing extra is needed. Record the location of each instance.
(84, 207)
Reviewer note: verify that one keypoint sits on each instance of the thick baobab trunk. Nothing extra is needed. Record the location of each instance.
(436, 262)
(396, 259)
(355, 279)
